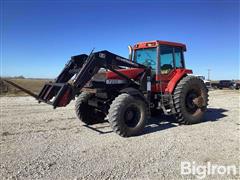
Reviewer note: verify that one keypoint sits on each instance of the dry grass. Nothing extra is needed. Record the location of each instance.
(33, 85)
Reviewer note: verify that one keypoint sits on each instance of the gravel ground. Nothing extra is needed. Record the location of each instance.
(38, 142)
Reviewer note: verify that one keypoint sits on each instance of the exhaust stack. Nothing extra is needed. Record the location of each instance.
(130, 50)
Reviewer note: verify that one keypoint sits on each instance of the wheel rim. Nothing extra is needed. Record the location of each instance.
(132, 116)
(194, 101)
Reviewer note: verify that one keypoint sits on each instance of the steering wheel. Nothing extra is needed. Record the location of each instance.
(149, 62)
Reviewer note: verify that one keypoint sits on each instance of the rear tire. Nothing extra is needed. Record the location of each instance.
(86, 113)
(127, 115)
(190, 100)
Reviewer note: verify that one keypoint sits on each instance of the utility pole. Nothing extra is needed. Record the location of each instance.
(209, 74)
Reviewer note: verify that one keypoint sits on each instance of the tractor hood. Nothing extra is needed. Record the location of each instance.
(132, 73)
(103, 75)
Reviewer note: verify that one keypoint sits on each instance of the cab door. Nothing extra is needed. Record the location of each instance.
(171, 58)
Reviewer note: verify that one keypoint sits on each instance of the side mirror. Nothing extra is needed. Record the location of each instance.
(130, 50)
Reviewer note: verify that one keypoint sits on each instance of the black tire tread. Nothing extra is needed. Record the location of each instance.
(114, 114)
(177, 97)
(86, 116)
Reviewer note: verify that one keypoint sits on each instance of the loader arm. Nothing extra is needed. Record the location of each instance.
(61, 92)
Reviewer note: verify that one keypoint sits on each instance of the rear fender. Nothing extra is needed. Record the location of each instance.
(177, 77)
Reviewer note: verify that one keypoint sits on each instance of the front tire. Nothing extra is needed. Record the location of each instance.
(127, 115)
(190, 100)
(86, 113)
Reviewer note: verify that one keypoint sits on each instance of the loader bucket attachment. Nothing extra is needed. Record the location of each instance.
(56, 94)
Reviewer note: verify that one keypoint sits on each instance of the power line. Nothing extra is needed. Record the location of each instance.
(209, 70)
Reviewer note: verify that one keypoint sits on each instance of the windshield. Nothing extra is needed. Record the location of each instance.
(146, 57)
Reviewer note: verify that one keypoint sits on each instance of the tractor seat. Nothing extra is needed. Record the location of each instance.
(166, 68)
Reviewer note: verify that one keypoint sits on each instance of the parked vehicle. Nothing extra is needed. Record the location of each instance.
(237, 85)
(214, 85)
(227, 84)
(206, 82)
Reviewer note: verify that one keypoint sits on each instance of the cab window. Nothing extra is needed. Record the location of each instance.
(179, 62)
(146, 57)
(166, 59)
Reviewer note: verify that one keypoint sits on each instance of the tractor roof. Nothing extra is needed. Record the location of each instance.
(150, 44)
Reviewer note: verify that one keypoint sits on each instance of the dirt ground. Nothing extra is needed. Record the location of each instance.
(38, 142)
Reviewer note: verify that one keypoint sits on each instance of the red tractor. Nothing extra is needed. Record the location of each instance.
(128, 91)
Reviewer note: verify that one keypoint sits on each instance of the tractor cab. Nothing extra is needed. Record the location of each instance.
(161, 56)
(164, 58)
